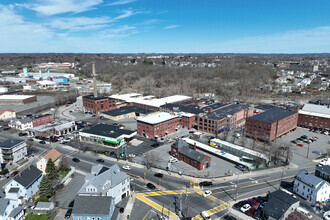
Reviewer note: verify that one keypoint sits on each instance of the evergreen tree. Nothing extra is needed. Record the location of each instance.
(46, 187)
(51, 170)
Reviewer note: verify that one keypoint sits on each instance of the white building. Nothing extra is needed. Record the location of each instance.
(21, 124)
(10, 209)
(44, 84)
(12, 150)
(52, 154)
(106, 181)
(24, 185)
(310, 187)
(7, 114)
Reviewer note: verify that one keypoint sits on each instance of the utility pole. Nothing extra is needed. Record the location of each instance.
(237, 186)
(308, 150)
(185, 205)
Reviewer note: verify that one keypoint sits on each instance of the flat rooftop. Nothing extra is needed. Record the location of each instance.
(129, 109)
(94, 98)
(272, 115)
(105, 130)
(193, 109)
(226, 111)
(157, 118)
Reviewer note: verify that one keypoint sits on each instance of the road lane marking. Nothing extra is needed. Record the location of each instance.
(146, 215)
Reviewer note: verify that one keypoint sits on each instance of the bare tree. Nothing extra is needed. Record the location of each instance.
(64, 164)
(151, 159)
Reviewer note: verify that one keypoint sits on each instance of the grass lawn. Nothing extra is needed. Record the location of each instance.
(37, 217)
(63, 173)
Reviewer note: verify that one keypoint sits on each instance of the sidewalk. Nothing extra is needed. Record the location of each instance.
(129, 207)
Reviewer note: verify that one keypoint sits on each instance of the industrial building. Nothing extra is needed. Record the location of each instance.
(17, 99)
(271, 124)
(158, 125)
(97, 105)
(106, 135)
(314, 117)
(127, 112)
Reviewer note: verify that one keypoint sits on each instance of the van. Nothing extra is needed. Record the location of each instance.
(304, 212)
(205, 215)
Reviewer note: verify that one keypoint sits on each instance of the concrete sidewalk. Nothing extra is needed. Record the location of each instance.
(129, 207)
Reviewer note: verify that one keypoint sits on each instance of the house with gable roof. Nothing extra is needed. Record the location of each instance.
(52, 154)
(106, 181)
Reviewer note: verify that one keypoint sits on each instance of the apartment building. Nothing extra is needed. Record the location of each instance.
(314, 117)
(12, 150)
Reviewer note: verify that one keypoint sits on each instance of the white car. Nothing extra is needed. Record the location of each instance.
(131, 155)
(324, 162)
(173, 159)
(245, 208)
(126, 167)
(207, 193)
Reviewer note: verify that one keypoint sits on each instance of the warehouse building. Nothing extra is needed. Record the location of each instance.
(106, 135)
(17, 99)
(127, 112)
(158, 125)
(314, 117)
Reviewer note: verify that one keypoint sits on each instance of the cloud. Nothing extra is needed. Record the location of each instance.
(121, 2)
(120, 32)
(126, 13)
(80, 23)
(54, 7)
(171, 26)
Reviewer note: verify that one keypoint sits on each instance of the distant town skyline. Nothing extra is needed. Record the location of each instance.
(159, 26)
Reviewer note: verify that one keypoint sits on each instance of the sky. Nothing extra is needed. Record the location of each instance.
(164, 26)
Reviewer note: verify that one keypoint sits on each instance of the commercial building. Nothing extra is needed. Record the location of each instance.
(45, 84)
(12, 150)
(279, 205)
(158, 125)
(106, 135)
(56, 128)
(7, 114)
(314, 117)
(60, 80)
(310, 187)
(271, 124)
(182, 150)
(17, 99)
(98, 104)
(54, 155)
(106, 181)
(224, 117)
(30, 122)
(127, 112)
(323, 172)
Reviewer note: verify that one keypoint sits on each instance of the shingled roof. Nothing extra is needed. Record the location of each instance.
(28, 176)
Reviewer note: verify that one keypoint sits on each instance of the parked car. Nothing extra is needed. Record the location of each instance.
(126, 167)
(257, 214)
(206, 183)
(75, 160)
(207, 193)
(160, 175)
(251, 211)
(263, 205)
(42, 142)
(68, 214)
(300, 145)
(151, 186)
(255, 202)
(304, 137)
(100, 160)
(294, 141)
(155, 145)
(14, 173)
(173, 159)
(245, 208)
(240, 167)
(239, 204)
(22, 134)
(317, 152)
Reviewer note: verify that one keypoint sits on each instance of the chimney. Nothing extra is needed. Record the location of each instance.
(94, 80)
(195, 146)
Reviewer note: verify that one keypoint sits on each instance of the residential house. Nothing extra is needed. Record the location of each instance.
(279, 205)
(24, 185)
(52, 154)
(106, 181)
(306, 81)
(310, 187)
(93, 208)
(12, 150)
(10, 209)
(182, 151)
(7, 114)
(21, 124)
(323, 172)
(286, 89)
(281, 80)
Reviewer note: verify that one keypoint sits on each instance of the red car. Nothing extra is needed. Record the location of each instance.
(14, 173)
(254, 201)
(300, 145)
(66, 105)
(251, 211)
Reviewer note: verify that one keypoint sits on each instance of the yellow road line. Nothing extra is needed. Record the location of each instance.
(146, 215)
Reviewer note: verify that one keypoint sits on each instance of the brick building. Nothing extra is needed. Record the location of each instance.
(182, 150)
(42, 119)
(225, 116)
(271, 124)
(157, 125)
(314, 117)
(98, 104)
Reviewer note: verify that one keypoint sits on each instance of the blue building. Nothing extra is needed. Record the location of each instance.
(60, 80)
(93, 207)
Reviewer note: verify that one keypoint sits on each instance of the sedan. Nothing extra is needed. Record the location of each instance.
(100, 160)
(239, 204)
(14, 173)
(207, 193)
(251, 211)
(126, 167)
(42, 142)
(160, 175)
(240, 167)
(245, 208)
(317, 152)
(75, 160)
(300, 145)
(151, 186)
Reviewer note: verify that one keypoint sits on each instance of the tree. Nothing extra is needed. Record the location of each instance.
(64, 164)
(51, 170)
(46, 187)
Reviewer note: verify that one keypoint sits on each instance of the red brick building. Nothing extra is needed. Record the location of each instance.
(187, 120)
(158, 125)
(42, 119)
(98, 104)
(271, 124)
(182, 150)
(314, 117)
(227, 116)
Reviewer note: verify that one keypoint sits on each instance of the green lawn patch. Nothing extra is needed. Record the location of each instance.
(63, 173)
(37, 217)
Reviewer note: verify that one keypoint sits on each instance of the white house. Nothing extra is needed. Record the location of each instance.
(106, 181)
(310, 187)
(24, 185)
(21, 124)
(10, 209)
(7, 114)
(286, 89)
(306, 81)
(52, 154)
(12, 150)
